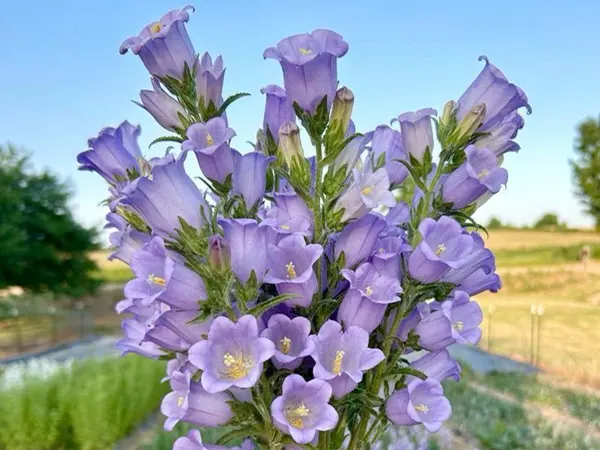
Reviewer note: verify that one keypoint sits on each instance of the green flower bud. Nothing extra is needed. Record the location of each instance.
(342, 107)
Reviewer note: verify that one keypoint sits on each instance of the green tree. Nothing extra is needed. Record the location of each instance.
(549, 221)
(42, 247)
(495, 224)
(586, 167)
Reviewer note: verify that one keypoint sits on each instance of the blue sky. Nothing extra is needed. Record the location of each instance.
(62, 78)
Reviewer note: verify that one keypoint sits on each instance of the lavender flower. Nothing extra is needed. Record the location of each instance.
(165, 198)
(164, 46)
(499, 138)
(210, 142)
(291, 214)
(417, 135)
(309, 63)
(357, 240)
(420, 402)
(249, 244)
(367, 191)
(193, 441)
(135, 340)
(491, 88)
(356, 310)
(340, 354)
(126, 242)
(159, 275)
(350, 155)
(191, 403)
(386, 257)
(444, 246)
(290, 145)
(209, 80)
(291, 339)
(290, 268)
(376, 287)
(437, 365)
(278, 110)
(164, 108)
(303, 409)
(113, 154)
(476, 176)
(250, 177)
(388, 142)
(233, 354)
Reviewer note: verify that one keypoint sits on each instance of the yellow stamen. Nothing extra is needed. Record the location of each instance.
(369, 290)
(337, 362)
(236, 367)
(155, 27)
(305, 51)
(157, 280)
(295, 415)
(422, 408)
(286, 345)
(367, 190)
(180, 401)
(209, 139)
(482, 174)
(285, 227)
(440, 249)
(291, 270)
(458, 325)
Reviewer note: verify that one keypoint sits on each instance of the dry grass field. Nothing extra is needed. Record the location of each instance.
(529, 239)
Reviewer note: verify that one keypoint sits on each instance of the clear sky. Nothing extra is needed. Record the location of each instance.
(62, 79)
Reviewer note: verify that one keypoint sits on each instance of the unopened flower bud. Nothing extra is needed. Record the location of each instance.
(469, 124)
(342, 106)
(219, 256)
(448, 112)
(290, 145)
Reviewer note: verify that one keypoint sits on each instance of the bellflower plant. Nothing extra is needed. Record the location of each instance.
(287, 285)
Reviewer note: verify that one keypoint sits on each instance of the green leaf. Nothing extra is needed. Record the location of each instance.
(415, 175)
(166, 139)
(268, 304)
(229, 101)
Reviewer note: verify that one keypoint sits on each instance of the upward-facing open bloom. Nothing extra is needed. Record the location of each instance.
(377, 287)
(388, 142)
(164, 108)
(250, 176)
(420, 402)
(291, 214)
(249, 244)
(190, 402)
(113, 154)
(278, 110)
(159, 275)
(209, 80)
(290, 268)
(417, 135)
(341, 357)
(291, 339)
(367, 191)
(164, 46)
(302, 409)
(233, 354)
(170, 194)
(491, 88)
(472, 179)
(309, 63)
(444, 246)
(210, 142)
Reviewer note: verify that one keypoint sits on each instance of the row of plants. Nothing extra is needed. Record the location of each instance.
(84, 405)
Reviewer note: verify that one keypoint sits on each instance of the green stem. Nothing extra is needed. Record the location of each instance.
(317, 210)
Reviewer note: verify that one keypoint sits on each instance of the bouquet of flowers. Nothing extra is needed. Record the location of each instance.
(302, 302)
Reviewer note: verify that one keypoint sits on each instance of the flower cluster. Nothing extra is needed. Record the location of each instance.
(288, 292)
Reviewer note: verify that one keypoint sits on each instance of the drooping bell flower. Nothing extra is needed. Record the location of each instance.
(302, 409)
(499, 138)
(492, 89)
(113, 154)
(309, 63)
(168, 195)
(233, 354)
(436, 365)
(164, 46)
(478, 175)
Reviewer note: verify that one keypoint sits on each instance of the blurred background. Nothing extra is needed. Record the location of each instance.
(534, 380)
